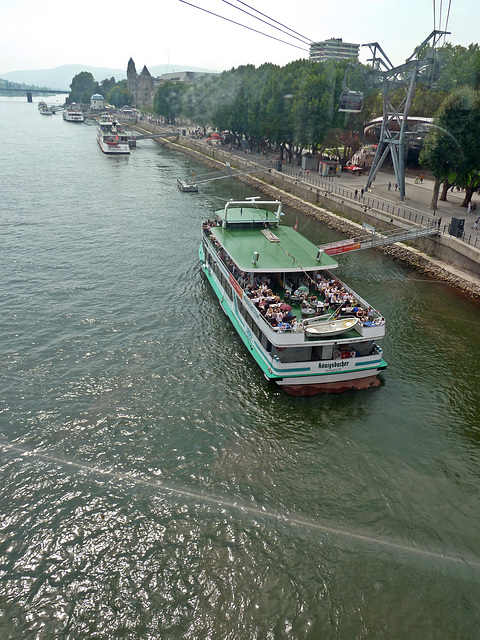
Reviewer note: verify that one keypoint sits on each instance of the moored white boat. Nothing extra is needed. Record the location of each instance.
(44, 109)
(111, 138)
(255, 265)
(72, 113)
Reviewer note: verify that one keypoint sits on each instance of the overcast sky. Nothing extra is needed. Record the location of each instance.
(46, 34)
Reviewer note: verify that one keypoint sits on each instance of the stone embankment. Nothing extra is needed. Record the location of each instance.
(271, 184)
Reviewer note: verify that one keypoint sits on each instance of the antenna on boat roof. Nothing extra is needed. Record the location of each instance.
(252, 198)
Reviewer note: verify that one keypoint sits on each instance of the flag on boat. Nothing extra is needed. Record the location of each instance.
(295, 225)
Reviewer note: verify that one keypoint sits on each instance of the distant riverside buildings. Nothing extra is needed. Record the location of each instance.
(333, 49)
(143, 85)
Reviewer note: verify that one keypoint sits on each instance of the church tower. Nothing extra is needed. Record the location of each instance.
(132, 79)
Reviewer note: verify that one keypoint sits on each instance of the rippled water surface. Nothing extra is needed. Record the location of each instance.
(154, 484)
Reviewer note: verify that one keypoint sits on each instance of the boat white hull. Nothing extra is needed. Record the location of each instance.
(120, 148)
(303, 378)
(73, 118)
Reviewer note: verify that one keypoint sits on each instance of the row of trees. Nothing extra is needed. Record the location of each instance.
(295, 107)
(84, 86)
(452, 147)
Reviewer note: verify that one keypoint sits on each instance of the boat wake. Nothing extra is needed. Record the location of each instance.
(257, 511)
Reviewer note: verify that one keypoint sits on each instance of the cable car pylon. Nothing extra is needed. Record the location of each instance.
(421, 67)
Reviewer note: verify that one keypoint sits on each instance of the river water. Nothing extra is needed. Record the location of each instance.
(154, 484)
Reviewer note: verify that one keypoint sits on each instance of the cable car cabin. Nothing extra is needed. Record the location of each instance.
(351, 101)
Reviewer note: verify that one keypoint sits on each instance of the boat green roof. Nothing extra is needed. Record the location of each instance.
(283, 250)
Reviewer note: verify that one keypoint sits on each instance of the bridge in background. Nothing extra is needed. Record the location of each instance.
(27, 91)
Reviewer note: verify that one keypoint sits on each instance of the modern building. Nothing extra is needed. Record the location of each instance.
(333, 49)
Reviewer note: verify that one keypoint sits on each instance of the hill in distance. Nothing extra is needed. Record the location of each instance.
(61, 77)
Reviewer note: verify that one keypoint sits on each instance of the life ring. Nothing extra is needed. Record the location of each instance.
(345, 354)
(336, 354)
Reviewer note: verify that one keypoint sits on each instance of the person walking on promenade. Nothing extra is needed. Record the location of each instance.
(389, 186)
(475, 224)
(356, 194)
(396, 186)
(362, 191)
(469, 208)
(439, 223)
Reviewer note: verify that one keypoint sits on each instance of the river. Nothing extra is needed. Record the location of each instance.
(154, 484)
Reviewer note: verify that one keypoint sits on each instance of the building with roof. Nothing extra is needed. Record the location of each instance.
(143, 85)
(97, 102)
(333, 49)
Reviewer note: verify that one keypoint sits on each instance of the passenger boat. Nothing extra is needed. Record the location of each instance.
(44, 109)
(257, 267)
(73, 113)
(111, 138)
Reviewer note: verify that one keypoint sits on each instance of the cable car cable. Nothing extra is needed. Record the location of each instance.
(264, 21)
(273, 20)
(242, 25)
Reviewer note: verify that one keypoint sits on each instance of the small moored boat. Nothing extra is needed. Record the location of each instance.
(329, 328)
(187, 186)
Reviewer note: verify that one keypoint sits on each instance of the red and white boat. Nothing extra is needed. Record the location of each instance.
(111, 137)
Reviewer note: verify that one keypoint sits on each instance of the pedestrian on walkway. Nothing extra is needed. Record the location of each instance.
(475, 224)
(469, 208)
(396, 186)
(356, 194)
(439, 223)
(421, 178)
(389, 186)
(362, 191)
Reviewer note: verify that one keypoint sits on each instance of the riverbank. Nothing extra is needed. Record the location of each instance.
(458, 265)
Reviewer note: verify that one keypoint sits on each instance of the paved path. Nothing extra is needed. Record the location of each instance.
(417, 196)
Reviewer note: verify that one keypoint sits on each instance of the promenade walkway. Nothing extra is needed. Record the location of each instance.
(415, 208)
(417, 198)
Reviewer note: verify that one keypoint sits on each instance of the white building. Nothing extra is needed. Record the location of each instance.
(333, 49)
(97, 102)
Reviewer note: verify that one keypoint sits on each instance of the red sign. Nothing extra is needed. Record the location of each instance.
(343, 248)
(235, 285)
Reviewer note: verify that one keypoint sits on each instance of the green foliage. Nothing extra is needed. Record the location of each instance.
(119, 97)
(167, 101)
(451, 149)
(83, 87)
(460, 67)
(105, 86)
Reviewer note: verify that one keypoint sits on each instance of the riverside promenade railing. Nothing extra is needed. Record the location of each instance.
(367, 200)
(328, 186)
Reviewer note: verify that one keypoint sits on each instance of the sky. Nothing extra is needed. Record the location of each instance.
(49, 34)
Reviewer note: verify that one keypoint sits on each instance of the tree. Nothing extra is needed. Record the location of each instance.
(119, 97)
(460, 67)
(451, 148)
(83, 87)
(106, 86)
(167, 101)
